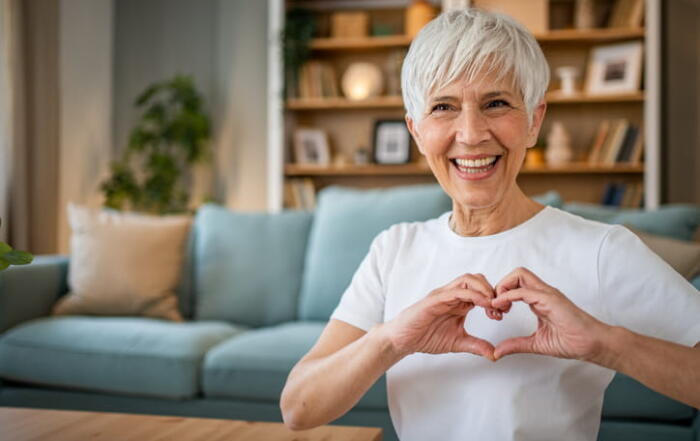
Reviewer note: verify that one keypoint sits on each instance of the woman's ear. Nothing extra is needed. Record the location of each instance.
(536, 125)
(416, 136)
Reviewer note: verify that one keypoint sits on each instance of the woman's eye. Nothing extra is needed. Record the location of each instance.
(440, 107)
(497, 103)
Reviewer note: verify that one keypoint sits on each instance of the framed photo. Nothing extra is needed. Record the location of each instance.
(615, 68)
(311, 147)
(392, 142)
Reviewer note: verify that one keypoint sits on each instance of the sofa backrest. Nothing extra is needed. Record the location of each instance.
(247, 268)
(345, 223)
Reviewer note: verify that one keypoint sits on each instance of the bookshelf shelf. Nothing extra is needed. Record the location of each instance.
(391, 102)
(360, 43)
(556, 98)
(600, 35)
(382, 102)
(298, 170)
(560, 35)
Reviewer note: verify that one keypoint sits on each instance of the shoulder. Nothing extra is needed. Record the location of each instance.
(403, 234)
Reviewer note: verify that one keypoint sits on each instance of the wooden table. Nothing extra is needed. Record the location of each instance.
(59, 425)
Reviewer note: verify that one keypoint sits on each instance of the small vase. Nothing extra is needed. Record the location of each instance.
(559, 150)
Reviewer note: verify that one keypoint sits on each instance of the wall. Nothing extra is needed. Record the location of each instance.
(221, 43)
(85, 78)
(680, 144)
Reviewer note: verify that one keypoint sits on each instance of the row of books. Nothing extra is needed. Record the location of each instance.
(617, 141)
(300, 194)
(624, 195)
(317, 79)
(627, 14)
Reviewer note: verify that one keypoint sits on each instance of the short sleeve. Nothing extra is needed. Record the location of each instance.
(643, 293)
(362, 304)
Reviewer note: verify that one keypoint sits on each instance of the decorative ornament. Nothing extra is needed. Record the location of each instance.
(418, 15)
(567, 75)
(559, 150)
(362, 80)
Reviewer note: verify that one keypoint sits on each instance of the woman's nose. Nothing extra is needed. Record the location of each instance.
(472, 127)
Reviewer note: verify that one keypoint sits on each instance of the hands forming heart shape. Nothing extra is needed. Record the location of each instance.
(435, 324)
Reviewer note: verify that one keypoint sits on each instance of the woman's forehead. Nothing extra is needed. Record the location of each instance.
(480, 85)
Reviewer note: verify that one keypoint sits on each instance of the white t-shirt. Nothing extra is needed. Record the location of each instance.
(604, 269)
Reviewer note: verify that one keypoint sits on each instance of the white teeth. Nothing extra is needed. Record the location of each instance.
(475, 163)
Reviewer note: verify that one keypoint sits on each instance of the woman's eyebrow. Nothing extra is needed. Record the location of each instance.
(443, 98)
(496, 93)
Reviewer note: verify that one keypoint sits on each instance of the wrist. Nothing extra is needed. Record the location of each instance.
(381, 334)
(614, 341)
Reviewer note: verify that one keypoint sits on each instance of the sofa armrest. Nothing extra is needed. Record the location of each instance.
(29, 291)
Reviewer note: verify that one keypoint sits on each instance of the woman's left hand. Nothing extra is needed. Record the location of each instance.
(563, 329)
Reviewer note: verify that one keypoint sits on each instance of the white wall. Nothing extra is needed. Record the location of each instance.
(241, 104)
(222, 44)
(85, 67)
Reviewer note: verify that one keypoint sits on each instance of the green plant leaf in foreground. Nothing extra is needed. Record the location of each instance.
(16, 257)
(4, 248)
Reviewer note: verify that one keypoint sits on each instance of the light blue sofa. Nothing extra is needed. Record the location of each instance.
(257, 290)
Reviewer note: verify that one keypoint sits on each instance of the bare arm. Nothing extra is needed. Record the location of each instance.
(346, 361)
(668, 368)
(566, 331)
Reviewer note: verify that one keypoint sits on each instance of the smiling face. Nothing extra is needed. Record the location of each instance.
(474, 136)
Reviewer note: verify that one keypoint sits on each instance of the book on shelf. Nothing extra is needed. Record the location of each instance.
(300, 194)
(627, 14)
(317, 79)
(623, 195)
(616, 142)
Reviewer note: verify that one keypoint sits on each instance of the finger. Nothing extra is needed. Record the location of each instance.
(520, 277)
(475, 346)
(476, 282)
(516, 345)
(465, 295)
(529, 296)
(494, 314)
(481, 280)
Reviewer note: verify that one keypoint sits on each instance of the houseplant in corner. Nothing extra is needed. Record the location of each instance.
(8, 256)
(170, 137)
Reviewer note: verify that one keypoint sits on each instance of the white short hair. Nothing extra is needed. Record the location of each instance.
(466, 43)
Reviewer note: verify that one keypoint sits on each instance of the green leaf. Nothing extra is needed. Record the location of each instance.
(4, 248)
(15, 257)
(3, 264)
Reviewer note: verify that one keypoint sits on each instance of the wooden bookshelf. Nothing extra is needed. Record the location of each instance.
(561, 35)
(350, 124)
(417, 169)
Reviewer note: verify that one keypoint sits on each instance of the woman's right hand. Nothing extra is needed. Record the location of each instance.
(435, 324)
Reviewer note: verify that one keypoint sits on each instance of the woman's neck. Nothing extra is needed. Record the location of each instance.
(511, 211)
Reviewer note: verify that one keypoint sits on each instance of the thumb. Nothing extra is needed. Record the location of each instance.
(475, 346)
(517, 345)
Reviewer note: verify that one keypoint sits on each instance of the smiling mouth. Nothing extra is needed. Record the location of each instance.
(475, 166)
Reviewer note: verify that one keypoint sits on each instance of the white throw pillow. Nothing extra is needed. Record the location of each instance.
(683, 256)
(124, 264)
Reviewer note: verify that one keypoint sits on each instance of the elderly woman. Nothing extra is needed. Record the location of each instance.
(574, 300)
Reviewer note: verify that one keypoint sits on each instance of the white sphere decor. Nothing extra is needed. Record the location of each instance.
(362, 80)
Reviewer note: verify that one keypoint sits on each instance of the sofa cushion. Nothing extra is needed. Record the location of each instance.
(137, 356)
(679, 221)
(627, 398)
(248, 267)
(255, 365)
(345, 222)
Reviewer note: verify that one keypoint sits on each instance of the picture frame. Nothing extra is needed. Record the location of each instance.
(311, 147)
(392, 142)
(615, 69)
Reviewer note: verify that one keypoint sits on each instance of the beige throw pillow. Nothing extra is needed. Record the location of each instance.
(124, 264)
(683, 256)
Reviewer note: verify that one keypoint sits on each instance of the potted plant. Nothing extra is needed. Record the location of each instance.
(8, 256)
(171, 136)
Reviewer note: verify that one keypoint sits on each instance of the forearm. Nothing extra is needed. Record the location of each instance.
(668, 368)
(321, 390)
